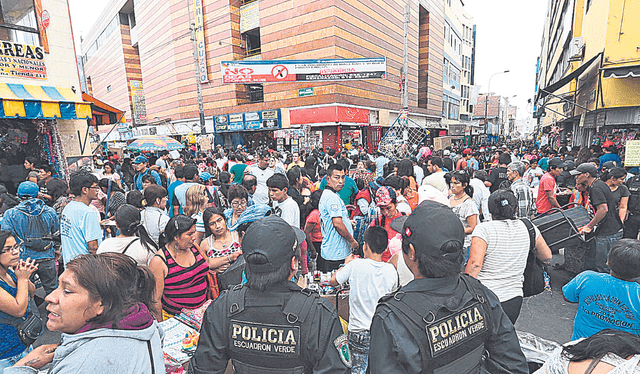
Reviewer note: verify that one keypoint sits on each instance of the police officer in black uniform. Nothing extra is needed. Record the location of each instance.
(271, 325)
(442, 321)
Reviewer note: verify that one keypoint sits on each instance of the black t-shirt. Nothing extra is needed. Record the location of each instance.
(599, 193)
(448, 163)
(497, 176)
(618, 194)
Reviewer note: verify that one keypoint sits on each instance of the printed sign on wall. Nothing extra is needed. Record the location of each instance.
(22, 61)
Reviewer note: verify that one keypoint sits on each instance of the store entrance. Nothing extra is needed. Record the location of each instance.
(37, 141)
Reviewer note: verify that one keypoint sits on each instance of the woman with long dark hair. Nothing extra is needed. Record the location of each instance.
(115, 196)
(461, 201)
(110, 173)
(133, 241)
(179, 268)
(154, 216)
(608, 351)
(614, 178)
(103, 306)
(15, 288)
(405, 171)
(221, 245)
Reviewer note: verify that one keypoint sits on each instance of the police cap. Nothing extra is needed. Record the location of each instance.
(272, 237)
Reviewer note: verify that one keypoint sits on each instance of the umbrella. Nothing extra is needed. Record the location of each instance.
(155, 143)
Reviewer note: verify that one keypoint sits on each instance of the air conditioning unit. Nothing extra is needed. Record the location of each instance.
(576, 49)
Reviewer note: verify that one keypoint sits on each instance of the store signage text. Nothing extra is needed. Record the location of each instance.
(304, 92)
(203, 73)
(302, 70)
(22, 61)
(266, 119)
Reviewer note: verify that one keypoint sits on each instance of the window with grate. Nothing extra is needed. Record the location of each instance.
(255, 93)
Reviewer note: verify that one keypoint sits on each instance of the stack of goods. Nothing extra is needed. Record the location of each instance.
(181, 335)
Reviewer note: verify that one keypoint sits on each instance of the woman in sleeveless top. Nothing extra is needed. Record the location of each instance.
(14, 303)
(221, 245)
(179, 268)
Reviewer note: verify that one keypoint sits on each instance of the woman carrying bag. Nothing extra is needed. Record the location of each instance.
(14, 298)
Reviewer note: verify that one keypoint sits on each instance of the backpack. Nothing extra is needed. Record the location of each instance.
(633, 185)
(36, 230)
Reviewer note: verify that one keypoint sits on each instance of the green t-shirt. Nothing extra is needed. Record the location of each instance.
(237, 171)
(348, 190)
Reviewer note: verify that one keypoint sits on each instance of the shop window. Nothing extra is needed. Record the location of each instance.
(18, 22)
(255, 93)
(251, 41)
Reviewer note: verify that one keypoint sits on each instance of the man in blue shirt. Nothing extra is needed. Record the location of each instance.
(337, 233)
(79, 224)
(28, 222)
(179, 173)
(140, 164)
(380, 162)
(610, 155)
(608, 301)
(347, 192)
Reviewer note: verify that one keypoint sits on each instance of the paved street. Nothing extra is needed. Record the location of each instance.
(549, 316)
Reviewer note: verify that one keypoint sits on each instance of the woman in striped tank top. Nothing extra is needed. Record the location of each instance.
(179, 268)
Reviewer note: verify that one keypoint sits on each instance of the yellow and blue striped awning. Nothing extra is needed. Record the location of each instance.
(41, 102)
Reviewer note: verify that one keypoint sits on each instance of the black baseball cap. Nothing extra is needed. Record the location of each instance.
(557, 163)
(429, 227)
(586, 167)
(272, 237)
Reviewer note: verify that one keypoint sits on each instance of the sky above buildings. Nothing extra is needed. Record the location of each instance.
(508, 37)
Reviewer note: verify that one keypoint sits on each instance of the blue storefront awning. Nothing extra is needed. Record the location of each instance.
(41, 102)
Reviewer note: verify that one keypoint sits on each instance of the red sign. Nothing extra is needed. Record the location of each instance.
(46, 19)
(329, 114)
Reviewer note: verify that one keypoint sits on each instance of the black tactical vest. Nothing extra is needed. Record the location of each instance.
(450, 330)
(267, 333)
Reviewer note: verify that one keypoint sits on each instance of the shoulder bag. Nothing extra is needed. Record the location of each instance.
(535, 272)
(212, 282)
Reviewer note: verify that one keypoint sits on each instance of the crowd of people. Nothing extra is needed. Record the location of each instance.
(423, 242)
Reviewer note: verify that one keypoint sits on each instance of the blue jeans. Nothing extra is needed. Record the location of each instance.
(48, 274)
(597, 258)
(359, 347)
(9, 362)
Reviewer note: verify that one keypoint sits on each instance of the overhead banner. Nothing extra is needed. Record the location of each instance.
(22, 61)
(278, 71)
(203, 73)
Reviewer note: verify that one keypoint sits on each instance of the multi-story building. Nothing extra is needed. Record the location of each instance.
(140, 56)
(42, 114)
(492, 114)
(587, 80)
(458, 66)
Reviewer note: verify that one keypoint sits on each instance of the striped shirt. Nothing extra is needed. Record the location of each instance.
(184, 287)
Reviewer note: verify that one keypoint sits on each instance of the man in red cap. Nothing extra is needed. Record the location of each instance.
(462, 163)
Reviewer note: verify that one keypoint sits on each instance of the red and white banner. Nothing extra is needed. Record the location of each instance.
(276, 71)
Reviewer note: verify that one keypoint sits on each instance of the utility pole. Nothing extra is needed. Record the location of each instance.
(193, 30)
(486, 102)
(405, 86)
